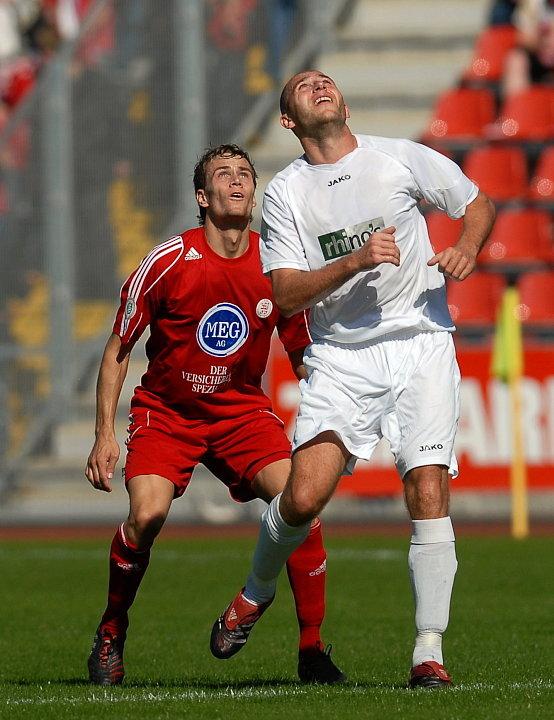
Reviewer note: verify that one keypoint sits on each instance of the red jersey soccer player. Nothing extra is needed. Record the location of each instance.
(211, 316)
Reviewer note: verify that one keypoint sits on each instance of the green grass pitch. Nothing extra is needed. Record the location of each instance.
(499, 646)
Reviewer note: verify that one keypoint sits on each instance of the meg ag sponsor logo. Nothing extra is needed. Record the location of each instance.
(222, 330)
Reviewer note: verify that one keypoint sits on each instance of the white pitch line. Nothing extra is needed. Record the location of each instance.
(163, 696)
(110, 697)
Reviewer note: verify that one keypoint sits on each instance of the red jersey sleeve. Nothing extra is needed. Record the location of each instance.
(293, 331)
(142, 292)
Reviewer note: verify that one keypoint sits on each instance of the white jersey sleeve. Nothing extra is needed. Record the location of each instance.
(281, 245)
(437, 178)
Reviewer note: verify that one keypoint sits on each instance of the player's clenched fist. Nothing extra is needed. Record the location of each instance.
(454, 263)
(380, 248)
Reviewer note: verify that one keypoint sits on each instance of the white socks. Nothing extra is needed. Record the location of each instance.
(432, 563)
(276, 542)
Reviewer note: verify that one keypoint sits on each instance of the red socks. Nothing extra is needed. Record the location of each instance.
(306, 568)
(127, 568)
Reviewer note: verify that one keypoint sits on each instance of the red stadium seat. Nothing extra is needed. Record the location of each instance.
(529, 115)
(501, 172)
(443, 231)
(536, 297)
(474, 301)
(520, 238)
(461, 114)
(490, 52)
(541, 187)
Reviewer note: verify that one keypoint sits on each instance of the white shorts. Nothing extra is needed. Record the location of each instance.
(406, 389)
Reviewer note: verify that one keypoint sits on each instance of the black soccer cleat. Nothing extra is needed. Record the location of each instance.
(231, 629)
(430, 675)
(105, 663)
(316, 667)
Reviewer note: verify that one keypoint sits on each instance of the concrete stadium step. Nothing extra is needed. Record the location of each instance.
(372, 76)
(396, 19)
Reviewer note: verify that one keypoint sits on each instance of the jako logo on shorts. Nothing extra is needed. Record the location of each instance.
(222, 330)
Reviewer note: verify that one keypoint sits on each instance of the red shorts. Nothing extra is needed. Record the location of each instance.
(162, 442)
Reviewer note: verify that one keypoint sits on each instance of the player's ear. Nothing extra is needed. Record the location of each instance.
(286, 122)
(201, 198)
(347, 111)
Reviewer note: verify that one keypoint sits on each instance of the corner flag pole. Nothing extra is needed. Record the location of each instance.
(507, 365)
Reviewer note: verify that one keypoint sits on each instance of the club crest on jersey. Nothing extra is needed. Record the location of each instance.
(130, 310)
(264, 308)
(222, 330)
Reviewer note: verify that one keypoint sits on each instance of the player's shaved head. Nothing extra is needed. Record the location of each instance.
(291, 84)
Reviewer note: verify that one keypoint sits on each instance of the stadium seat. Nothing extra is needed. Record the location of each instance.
(536, 297)
(443, 231)
(501, 172)
(520, 239)
(461, 114)
(473, 302)
(541, 188)
(529, 115)
(489, 54)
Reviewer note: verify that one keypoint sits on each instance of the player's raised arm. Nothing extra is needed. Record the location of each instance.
(459, 261)
(105, 451)
(296, 290)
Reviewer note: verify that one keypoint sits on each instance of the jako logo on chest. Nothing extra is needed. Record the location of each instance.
(338, 180)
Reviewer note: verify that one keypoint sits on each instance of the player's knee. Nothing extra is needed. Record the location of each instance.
(146, 523)
(426, 493)
(305, 505)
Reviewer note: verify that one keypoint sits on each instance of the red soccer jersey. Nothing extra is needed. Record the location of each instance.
(211, 320)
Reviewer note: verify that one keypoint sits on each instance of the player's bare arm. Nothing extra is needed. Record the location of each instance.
(105, 451)
(296, 290)
(296, 358)
(459, 261)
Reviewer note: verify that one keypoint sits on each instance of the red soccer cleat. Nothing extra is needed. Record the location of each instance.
(429, 674)
(105, 663)
(231, 630)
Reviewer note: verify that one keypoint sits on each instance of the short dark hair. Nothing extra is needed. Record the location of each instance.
(284, 100)
(226, 150)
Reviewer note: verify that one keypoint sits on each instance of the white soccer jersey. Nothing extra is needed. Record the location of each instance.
(315, 214)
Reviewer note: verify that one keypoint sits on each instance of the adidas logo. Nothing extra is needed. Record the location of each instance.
(193, 254)
(232, 614)
(128, 567)
(318, 571)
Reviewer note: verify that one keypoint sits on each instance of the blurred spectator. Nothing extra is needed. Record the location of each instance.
(228, 24)
(502, 11)
(10, 37)
(281, 18)
(532, 61)
(17, 78)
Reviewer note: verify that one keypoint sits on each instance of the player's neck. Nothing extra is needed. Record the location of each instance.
(330, 147)
(227, 241)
